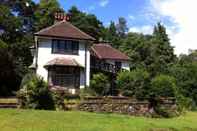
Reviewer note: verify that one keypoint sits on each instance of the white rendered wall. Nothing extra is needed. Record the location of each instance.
(125, 65)
(45, 55)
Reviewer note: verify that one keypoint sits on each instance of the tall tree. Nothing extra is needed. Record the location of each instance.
(121, 27)
(138, 48)
(112, 36)
(16, 57)
(162, 51)
(86, 22)
(44, 14)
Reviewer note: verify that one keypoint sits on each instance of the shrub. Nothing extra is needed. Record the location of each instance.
(99, 84)
(34, 93)
(163, 86)
(58, 97)
(87, 92)
(134, 83)
(184, 103)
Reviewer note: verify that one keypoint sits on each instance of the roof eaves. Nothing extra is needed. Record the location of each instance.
(62, 37)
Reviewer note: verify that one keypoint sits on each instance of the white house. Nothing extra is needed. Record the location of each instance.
(65, 56)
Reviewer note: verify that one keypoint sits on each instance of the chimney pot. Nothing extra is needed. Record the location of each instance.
(61, 16)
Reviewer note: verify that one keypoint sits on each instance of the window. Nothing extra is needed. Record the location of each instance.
(65, 76)
(65, 47)
(118, 65)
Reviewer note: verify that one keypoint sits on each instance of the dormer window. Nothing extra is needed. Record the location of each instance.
(65, 47)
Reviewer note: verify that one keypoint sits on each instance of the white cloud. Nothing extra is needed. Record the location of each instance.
(183, 15)
(146, 29)
(104, 3)
(131, 17)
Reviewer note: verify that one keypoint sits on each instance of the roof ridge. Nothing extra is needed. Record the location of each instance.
(80, 30)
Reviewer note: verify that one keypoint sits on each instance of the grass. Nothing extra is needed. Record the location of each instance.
(32, 120)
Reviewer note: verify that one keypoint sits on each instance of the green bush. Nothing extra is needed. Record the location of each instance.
(87, 92)
(134, 83)
(58, 97)
(34, 93)
(163, 86)
(99, 84)
(184, 103)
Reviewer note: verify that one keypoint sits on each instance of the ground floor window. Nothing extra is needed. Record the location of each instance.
(68, 77)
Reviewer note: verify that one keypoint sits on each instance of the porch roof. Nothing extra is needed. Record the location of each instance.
(61, 61)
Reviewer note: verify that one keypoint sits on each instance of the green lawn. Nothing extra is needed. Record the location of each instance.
(31, 120)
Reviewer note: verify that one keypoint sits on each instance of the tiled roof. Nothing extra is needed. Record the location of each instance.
(64, 29)
(105, 51)
(61, 61)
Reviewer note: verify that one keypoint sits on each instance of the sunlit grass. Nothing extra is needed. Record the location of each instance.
(32, 120)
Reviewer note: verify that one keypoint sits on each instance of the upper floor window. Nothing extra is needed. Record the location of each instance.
(65, 46)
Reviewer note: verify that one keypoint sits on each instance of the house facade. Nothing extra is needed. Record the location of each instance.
(66, 57)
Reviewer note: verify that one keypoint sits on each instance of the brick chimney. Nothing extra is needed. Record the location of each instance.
(61, 17)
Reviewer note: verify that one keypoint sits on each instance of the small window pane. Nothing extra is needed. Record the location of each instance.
(62, 46)
(69, 46)
(75, 47)
(55, 46)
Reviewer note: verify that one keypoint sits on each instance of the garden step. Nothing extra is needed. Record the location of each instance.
(8, 105)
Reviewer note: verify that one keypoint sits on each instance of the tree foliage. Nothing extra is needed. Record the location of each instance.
(86, 22)
(44, 14)
(34, 93)
(134, 83)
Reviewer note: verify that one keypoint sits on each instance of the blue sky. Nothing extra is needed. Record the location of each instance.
(110, 10)
(178, 16)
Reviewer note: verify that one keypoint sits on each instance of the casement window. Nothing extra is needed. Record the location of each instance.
(65, 47)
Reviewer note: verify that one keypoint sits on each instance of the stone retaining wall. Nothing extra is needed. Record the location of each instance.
(122, 105)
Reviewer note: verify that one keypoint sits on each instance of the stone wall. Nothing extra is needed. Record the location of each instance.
(122, 105)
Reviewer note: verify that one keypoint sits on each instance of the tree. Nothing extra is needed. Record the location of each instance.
(185, 72)
(111, 33)
(44, 14)
(86, 22)
(9, 25)
(16, 57)
(162, 51)
(121, 27)
(112, 36)
(138, 48)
